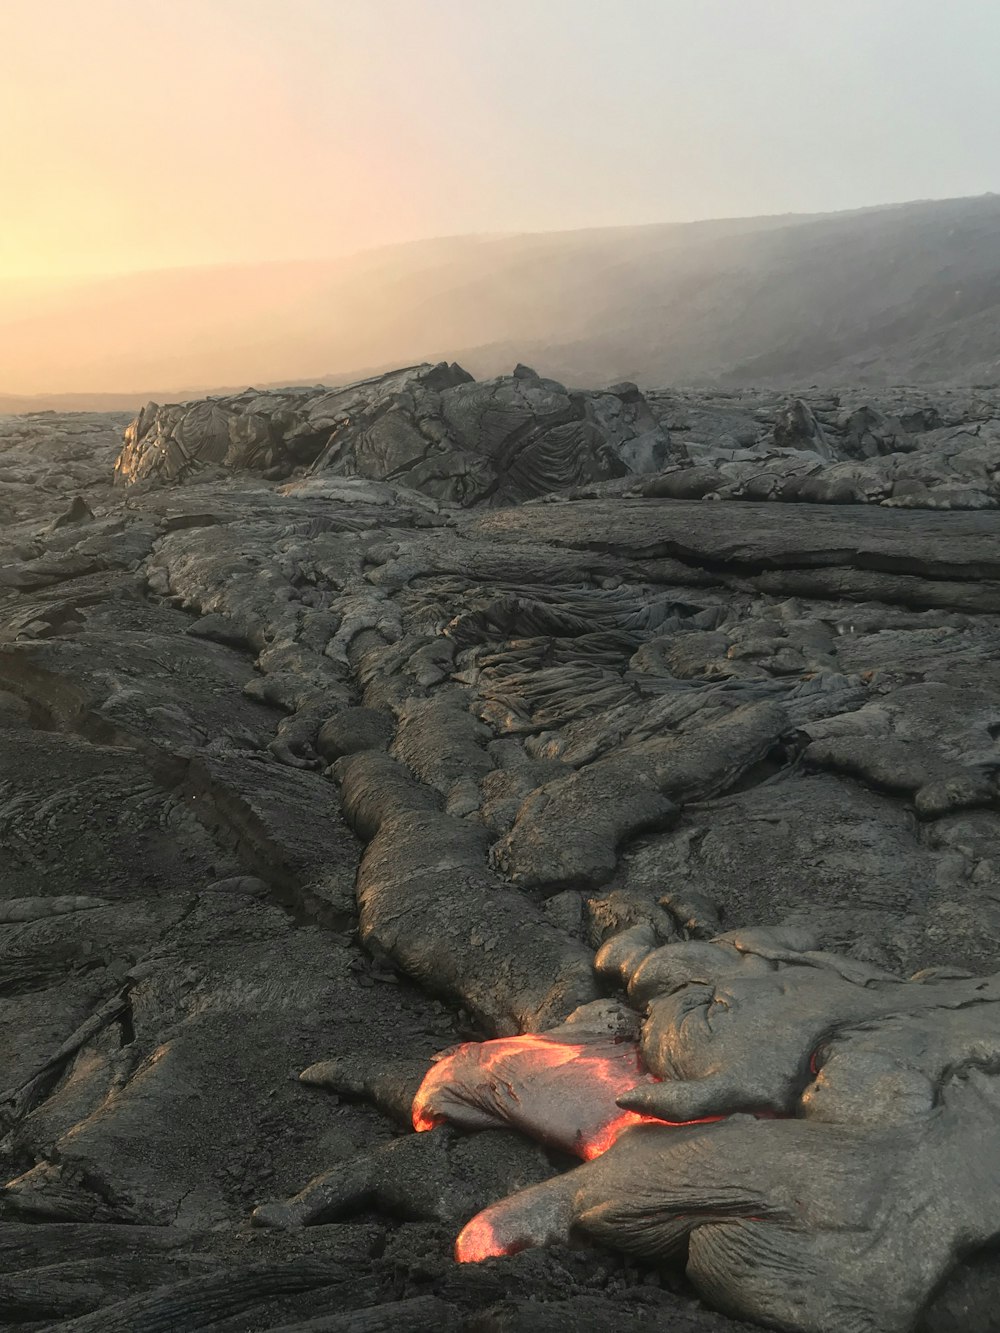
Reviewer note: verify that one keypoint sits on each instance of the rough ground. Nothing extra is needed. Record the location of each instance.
(325, 765)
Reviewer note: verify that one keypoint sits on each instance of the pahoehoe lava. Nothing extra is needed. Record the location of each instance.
(604, 784)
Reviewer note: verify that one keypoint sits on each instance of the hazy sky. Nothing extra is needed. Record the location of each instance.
(155, 133)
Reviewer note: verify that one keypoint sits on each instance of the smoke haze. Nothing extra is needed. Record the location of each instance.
(214, 192)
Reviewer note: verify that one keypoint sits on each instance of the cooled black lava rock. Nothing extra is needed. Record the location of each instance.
(338, 768)
(433, 428)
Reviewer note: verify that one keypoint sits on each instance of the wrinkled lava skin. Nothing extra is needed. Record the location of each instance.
(560, 1092)
(874, 1164)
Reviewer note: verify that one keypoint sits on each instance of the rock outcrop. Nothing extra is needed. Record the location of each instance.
(903, 448)
(431, 428)
(436, 430)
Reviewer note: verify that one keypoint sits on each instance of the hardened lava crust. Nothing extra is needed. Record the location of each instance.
(652, 736)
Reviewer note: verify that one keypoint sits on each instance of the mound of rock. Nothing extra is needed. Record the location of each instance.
(436, 430)
(432, 428)
(902, 448)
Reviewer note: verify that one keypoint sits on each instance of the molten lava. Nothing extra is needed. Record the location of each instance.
(561, 1092)
(478, 1240)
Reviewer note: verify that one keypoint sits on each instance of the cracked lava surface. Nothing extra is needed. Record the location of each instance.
(433, 748)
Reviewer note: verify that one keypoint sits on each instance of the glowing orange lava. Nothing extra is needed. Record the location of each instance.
(627, 1120)
(562, 1092)
(478, 1240)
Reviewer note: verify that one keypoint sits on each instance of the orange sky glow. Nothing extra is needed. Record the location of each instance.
(149, 135)
(145, 136)
(140, 134)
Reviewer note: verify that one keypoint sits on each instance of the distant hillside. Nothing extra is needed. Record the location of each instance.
(906, 293)
(15, 404)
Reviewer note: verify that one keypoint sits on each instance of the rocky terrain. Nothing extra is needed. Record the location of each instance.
(339, 727)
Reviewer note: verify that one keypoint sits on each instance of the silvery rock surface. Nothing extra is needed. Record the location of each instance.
(876, 1168)
(432, 428)
(902, 448)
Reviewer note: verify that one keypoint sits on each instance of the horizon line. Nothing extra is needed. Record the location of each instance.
(99, 276)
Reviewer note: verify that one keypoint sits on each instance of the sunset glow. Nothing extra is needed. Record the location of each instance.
(200, 159)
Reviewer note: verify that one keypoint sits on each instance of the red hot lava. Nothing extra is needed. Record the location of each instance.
(561, 1092)
(556, 1090)
(478, 1240)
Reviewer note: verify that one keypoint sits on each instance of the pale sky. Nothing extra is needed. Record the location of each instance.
(143, 134)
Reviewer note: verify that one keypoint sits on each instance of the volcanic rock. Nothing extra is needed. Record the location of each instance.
(432, 428)
(356, 724)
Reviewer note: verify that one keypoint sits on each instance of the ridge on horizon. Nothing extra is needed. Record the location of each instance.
(445, 238)
(888, 292)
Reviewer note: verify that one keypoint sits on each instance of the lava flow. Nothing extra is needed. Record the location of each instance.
(478, 1240)
(561, 1092)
